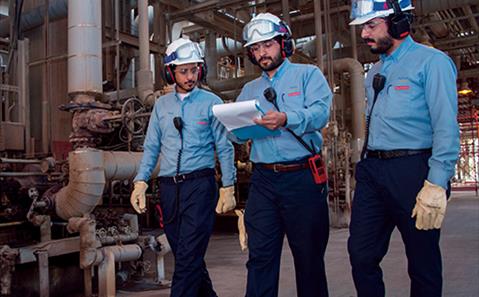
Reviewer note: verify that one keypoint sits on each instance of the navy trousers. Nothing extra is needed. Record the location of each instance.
(385, 195)
(286, 203)
(189, 233)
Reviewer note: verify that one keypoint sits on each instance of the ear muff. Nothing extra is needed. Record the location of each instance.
(202, 72)
(287, 42)
(399, 23)
(287, 46)
(169, 75)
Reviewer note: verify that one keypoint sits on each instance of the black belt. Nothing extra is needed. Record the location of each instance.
(394, 153)
(182, 177)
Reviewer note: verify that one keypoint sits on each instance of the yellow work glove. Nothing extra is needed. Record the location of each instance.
(227, 200)
(243, 236)
(430, 207)
(138, 196)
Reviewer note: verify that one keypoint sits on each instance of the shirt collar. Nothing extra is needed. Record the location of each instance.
(191, 95)
(281, 69)
(400, 51)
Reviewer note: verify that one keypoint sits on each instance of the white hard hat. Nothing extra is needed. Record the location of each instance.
(263, 27)
(183, 51)
(363, 11)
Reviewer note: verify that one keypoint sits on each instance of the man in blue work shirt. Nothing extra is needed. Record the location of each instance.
(184, 134)
(410, 153)
(284, 197)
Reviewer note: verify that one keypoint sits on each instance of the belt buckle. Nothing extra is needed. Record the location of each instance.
(275, 168)
(179, 178)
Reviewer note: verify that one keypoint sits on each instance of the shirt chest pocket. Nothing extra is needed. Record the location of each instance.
(197, 129)
(403, 99)
(292, 99)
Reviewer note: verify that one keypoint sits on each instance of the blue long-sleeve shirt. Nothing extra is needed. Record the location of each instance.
(202, 133)
(304, 95)
(418, 106)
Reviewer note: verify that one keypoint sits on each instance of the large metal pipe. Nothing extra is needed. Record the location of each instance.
(358, 97)
(106, 268)
(144, 74)
(90, 169)
(84, 47)
(91, 254)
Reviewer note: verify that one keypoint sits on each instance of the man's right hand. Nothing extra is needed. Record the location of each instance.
(138, 196)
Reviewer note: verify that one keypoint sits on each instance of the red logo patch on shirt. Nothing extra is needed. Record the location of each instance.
(402, 88)
(202, 123)
(294, 94)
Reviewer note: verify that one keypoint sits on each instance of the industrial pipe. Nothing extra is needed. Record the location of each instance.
(88, 242)
(144, 74)
(8, 257)
(105, 258)
(358, 98)
(106, 267)
(90, 169)
(84, 47)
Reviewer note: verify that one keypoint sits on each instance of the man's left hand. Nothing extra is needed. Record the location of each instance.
(227, 200)
(272, 120)
(430, 207)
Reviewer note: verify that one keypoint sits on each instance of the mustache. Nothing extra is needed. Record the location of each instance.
(366, 40)
(190, 82)
(265, 58)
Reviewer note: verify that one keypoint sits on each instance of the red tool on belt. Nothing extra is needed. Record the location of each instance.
(318, 169)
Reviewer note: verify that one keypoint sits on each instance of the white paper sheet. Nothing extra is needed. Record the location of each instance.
(238, 114)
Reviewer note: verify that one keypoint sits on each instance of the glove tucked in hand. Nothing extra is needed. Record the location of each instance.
(243, 236)
(227, 200)
(138, 196)
(430, 207)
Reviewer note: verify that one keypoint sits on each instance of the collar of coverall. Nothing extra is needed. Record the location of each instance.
(281, 69)
(400, 51)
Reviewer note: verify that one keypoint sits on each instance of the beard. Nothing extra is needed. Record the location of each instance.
(275, 62)
(382, 44)
(186, 86)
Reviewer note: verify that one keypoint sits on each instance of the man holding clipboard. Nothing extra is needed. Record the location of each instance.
(288, 193)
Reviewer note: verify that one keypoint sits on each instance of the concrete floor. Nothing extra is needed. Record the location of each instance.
(459, 242)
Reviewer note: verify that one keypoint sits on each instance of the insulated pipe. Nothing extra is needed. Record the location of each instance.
(106, 268)
(88, 242)
(358, 98)
(90, 169)
(144, 74)
(84, 47)
(90, 254)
